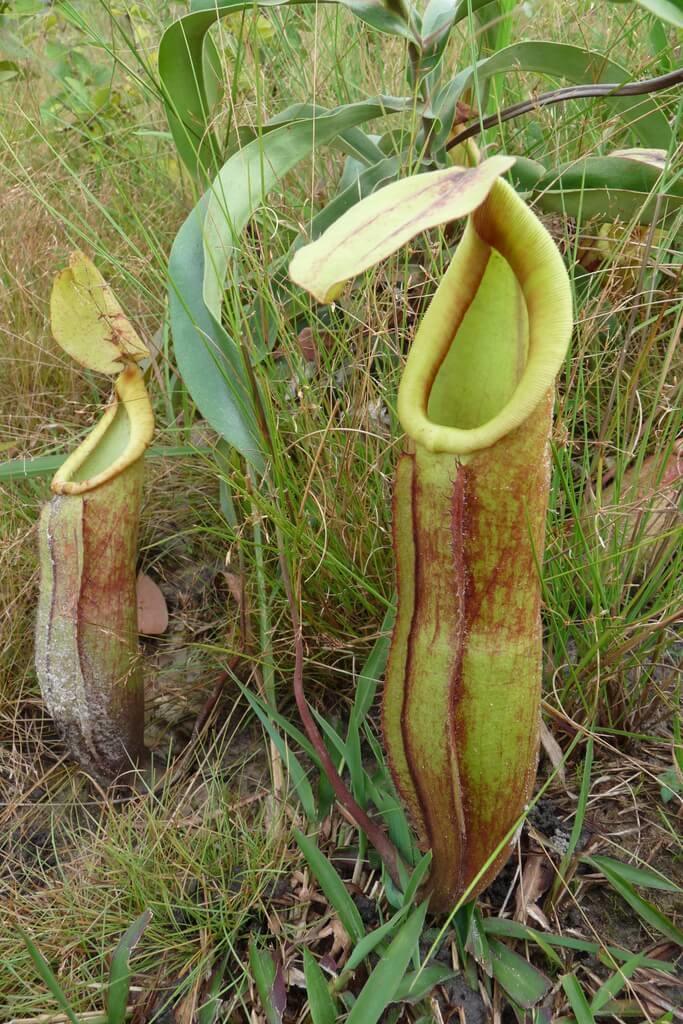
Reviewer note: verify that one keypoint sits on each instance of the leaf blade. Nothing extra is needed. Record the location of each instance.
(384, 221)
(332, 886)
(380, 988)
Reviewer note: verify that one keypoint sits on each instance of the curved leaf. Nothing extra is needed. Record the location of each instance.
(645, 910)
(208, 359)
(520, 979)
(381, 987)
(210, 362)
(384, 221)
(119, 975)
(320, 1002)
(187, 87)
(380, 17)
(558, 60)
(333, 887)
(609, 187)
(187, 68)
(249, 174)
(670, 11)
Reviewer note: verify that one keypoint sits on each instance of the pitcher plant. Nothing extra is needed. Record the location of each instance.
(86, 635)
(461, 704)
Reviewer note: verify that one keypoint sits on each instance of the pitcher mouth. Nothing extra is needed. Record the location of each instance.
(117, 441)
(462, 391)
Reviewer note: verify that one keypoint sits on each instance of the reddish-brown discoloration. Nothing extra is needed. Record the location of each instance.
(468, 629)
(107, 610)
(86, 637)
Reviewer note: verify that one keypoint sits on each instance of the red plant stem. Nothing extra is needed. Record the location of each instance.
(385, 848)
(382, 844)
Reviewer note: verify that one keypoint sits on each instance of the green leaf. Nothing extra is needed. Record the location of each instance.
(374, 938)
(381, 987)
(633, 875)
(577, 1000)
(248, 176)
(577, 827)
(384, 221)
(516, 930)
(522, 982)
(332, 886)
(211, 364)
(563, 61)
(437, 22)
(210, 1007)
(188, 89)
(320, 1002)
(287, 727)
(645, 910)
(47, 975)
(263, 971)
(373, 670)
(463, 7)
(119, 973)
(379, 17)
(8, 69)
(418, 984)
(298, 774)
(609, 187)
(186, 85)
(417, 878)
(670, 11)
(615, 984)
(477, 943)
(46, 465)
(208, 359)
(362, 149)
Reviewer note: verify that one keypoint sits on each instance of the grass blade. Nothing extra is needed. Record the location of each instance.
(577, 826)
(119, 973)
(48, 976)
(645, 910)
(522, 982)
(615, 984)
(635, 876)
(381, 987)
(332, 886)
(320, 1001)
(418, 984)
(264, 972)
(577, 1000)
(297, 772)
(373, 939)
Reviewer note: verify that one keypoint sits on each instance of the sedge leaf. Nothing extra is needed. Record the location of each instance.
(577, 1000)
(633, 875)
(263, 971)
(381, 987)
(332, 886)
(615, 983)
(521, 980)
(645, 910)
(119, 974)
(320, 1001)
(46, 973)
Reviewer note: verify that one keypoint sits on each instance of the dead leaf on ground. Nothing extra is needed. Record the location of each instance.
(152, 608)
(535, 881)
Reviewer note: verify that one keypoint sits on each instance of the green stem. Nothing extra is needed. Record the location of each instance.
(265, 632)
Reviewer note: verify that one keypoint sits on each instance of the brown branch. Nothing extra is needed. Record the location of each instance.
(572, 92)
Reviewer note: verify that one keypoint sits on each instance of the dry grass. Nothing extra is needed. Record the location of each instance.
(78, 868)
